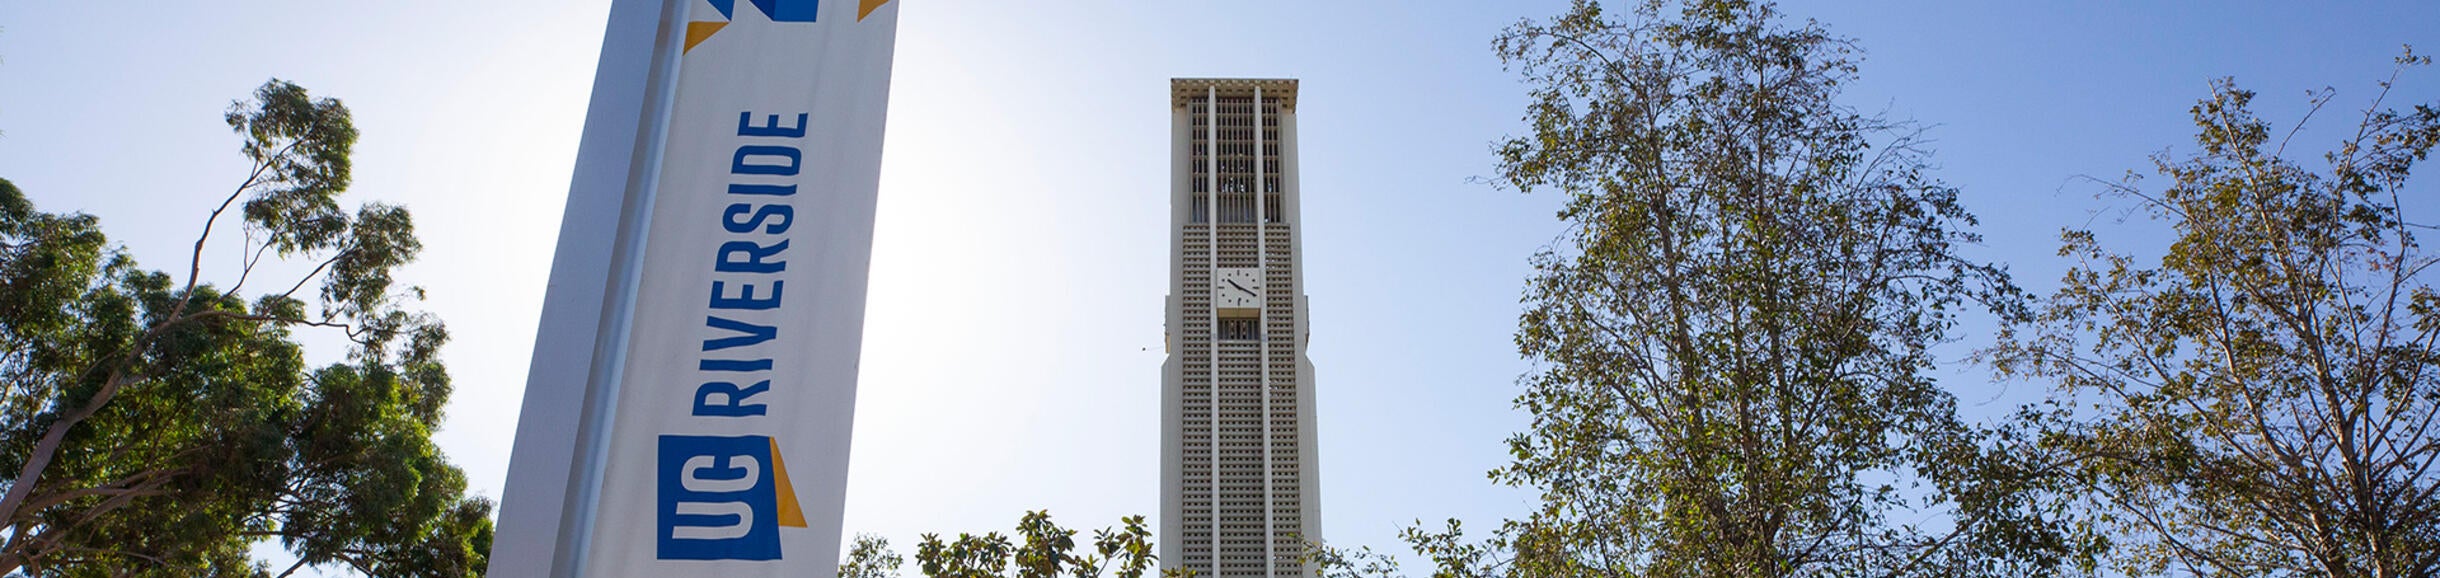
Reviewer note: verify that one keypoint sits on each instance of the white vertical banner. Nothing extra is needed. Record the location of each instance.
(749, 312)
(721, 388)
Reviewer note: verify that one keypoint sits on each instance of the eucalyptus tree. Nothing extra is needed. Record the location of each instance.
(159, 426)
(2259, 399)
(1734, 335)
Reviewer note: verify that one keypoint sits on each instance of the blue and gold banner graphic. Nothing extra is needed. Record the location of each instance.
(732, 319)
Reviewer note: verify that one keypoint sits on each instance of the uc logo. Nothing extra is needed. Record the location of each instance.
(723, 498)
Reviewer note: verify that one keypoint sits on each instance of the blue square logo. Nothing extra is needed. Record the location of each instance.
(719, 498)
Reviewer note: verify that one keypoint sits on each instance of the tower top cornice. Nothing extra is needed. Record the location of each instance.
(1186, 90)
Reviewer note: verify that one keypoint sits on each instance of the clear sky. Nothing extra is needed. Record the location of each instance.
(1013, 339)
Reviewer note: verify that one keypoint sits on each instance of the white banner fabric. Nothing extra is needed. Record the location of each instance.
(735, 398)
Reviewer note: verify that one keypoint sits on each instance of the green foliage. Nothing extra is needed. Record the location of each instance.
(160, 427)
(300, 148)
(1734, 334)
(870, 557)
(1048, 551)
(2261, 401)
(1331, 562)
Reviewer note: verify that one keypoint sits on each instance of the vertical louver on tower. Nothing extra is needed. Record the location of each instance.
(1238, 473)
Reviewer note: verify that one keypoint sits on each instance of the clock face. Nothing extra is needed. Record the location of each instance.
(1237, 288)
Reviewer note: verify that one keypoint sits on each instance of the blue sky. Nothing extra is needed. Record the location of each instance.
(1026, 140)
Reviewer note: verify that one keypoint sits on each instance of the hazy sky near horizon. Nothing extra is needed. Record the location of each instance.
(1013, 336)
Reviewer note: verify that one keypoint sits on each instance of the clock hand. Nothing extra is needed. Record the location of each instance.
(1233, 283)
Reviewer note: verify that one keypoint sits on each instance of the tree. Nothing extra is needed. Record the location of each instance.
(158, 427)
(2261, 400)
(870, 557)
(1734, 335)
(1048, 551)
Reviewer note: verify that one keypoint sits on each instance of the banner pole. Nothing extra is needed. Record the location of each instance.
(618, 316)
(555, 467)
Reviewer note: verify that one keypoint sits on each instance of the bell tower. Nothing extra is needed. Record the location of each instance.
(1239, 482)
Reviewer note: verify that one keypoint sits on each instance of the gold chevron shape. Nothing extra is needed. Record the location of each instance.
(696, 32)
(790, 513)
(865, 8)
